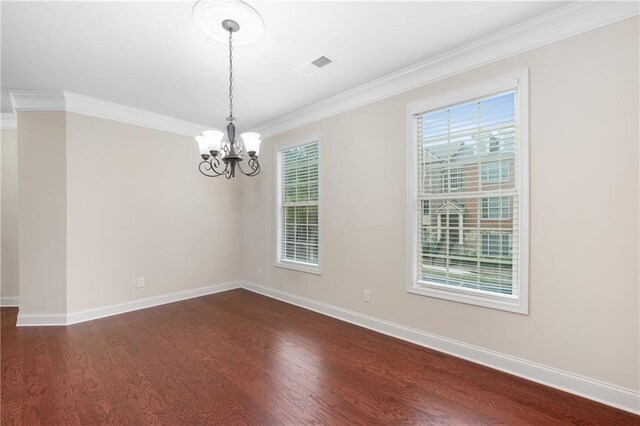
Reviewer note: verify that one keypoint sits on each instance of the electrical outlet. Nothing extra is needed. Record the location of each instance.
(140, 282)
(259, 271)
(367, 296)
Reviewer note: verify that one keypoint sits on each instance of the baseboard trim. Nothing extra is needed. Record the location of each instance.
(615, 396)
(27, 320)
(9, 302)
(149, 302)
(38, 320)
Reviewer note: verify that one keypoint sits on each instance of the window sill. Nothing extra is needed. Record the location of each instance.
(298, 266)
(471, 297)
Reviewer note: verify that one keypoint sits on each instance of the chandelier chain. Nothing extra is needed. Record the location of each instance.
(231, 75)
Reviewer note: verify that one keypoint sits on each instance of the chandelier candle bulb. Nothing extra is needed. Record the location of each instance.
(251, 143)
(205, 147)
(214, 138)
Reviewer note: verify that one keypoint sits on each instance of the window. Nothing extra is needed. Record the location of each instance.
(494, 144)
(495, 245)
(496, 208)
(495, 172)
(298, 207)
(451, 180)
(425, 207)
(470, 245)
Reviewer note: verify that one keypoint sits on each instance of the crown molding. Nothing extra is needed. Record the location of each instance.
(564, 22)
(8, 121)
(111, 111)
(35, 100)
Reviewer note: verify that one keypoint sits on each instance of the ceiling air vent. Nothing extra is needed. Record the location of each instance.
(314, 66)
(321, 62)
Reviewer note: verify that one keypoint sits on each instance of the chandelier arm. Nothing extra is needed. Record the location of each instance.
(254, 165)
(208, 168)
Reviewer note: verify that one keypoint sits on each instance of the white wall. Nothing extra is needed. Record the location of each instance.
(584, 244)
(138, 207)
(10, 274)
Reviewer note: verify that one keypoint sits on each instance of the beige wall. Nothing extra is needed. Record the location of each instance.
(42, 210)
(138, 207)
(10, 274)
(584, 296)
(103, 203)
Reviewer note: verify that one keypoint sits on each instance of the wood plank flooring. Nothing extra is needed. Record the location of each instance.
(241, 358)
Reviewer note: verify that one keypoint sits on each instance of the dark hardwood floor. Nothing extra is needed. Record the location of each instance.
(241, 358)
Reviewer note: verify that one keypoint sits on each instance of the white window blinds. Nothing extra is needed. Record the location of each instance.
(298, 205)
(467, 175)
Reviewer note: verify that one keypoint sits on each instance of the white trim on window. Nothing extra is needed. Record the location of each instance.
(278, 260)
(518, 303)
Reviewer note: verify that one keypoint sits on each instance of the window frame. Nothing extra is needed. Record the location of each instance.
(278, 260)
(517, 303)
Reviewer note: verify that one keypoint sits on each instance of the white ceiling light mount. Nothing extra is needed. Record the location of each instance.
(209, 15)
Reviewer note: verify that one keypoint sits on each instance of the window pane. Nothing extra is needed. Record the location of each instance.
(299, 189)
(467, 199)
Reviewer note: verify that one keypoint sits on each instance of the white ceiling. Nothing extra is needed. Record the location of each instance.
(150, 55)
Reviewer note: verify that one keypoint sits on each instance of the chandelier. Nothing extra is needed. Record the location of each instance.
(222, 152)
